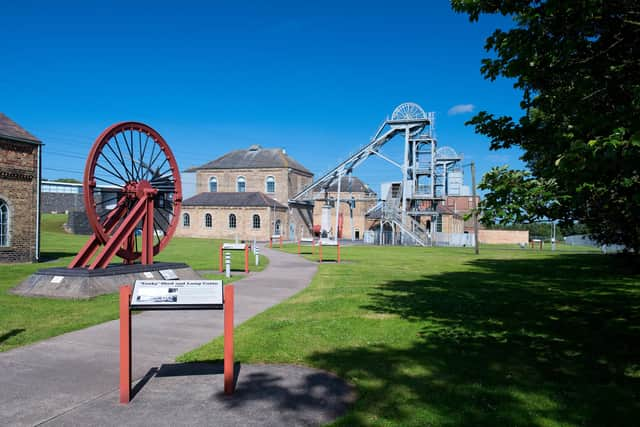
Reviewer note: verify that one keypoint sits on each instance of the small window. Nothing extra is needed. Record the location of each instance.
(213, 184)
(232, 221)
(208, 222)
(256, 221)
(277, 227)
(186, 220)
(271, 184)
(241, 184)
(4, 223)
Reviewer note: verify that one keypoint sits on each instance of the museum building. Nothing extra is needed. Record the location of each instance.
(20, 155)
(245, 194)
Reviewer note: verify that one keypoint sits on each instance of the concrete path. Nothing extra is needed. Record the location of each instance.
(44, 381)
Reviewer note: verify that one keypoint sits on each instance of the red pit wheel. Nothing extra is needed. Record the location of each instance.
(133, 163)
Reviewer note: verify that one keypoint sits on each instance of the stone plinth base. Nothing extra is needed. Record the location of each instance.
(82, 283)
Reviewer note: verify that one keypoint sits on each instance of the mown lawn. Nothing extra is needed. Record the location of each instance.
(444, 337)
(26, 320)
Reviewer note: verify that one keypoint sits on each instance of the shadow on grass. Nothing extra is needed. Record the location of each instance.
(10, 334)
(506, 342)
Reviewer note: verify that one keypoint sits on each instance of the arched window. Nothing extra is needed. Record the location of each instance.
(256, 221)
(232, 221)
(4, 223)
(277, 227)
(186, 220)
(271, 184)
(213, 184)
(208, 222)
(241, 184)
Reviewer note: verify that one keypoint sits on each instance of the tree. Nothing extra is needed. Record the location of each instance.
(68, 180)
(577, 64)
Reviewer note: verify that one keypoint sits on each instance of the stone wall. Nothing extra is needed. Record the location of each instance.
(301, 216)
(364, 202)
(19, 189)
(220, 222)
(287, 183)
(503, 236)
(61, 202)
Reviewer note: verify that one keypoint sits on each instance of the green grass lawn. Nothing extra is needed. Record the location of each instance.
(26, 320)
(443, 337)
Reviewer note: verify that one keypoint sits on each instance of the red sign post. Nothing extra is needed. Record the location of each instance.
(233, 247)
(125, 340)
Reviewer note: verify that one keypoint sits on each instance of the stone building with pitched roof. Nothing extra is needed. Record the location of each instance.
(356, 198)
(245, 194)
(20, 160)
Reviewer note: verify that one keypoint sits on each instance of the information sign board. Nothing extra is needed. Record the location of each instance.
(234, 246)
(176, 294)
(168, 274)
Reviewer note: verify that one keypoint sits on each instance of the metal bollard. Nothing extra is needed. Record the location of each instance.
(257, 256)
(227, 263)
(255, 246)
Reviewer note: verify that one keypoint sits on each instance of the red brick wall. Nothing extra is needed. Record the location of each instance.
(19, 189)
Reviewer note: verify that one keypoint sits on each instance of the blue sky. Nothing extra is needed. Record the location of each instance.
(314, 78)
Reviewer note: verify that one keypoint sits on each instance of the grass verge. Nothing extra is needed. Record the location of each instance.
(439, 336)
(27, 320)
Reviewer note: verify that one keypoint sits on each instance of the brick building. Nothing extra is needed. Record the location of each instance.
(356, 198)
(245, 194)
(20, 155)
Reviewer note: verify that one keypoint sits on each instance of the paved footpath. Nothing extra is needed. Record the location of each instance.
(42, 382)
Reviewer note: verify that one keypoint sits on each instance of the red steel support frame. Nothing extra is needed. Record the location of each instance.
(125, 342)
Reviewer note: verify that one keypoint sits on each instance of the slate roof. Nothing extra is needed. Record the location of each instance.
(253, 157)
(357, 186)
(11, 130)
(249, 199)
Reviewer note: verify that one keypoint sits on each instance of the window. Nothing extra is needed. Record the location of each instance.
(186, 220)
(256, 221)
(277, 227)
(232, 221)
(271, 184)
(241, 184)
(208, 223)
(439, 224)
(213, 184)
(4, 223)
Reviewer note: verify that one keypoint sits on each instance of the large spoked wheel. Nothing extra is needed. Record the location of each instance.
(127, 161)
(409, 111)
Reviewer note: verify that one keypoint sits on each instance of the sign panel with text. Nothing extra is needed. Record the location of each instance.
(176, 294)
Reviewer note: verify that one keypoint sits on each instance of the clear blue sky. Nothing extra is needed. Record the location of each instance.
(316, 78)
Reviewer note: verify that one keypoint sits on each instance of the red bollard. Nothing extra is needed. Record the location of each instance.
(125, 344)
(246, 259)
(228, 340)
(320, 249)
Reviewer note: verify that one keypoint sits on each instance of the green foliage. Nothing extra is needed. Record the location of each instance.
(576, 64)
(68, 180)
(441, 337)
(515, 197)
